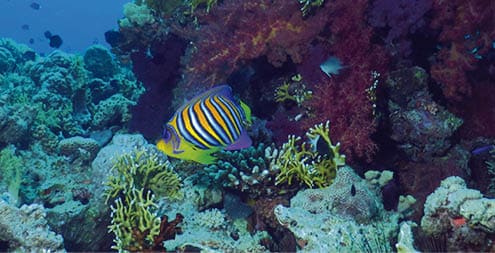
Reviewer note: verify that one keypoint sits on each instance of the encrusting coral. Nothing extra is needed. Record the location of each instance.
(139, 179)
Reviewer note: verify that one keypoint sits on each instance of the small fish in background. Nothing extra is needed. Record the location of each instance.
(35, 6)
(31, 41)
(25, 27)
(331, 66)
(207, 123)
(55, 40)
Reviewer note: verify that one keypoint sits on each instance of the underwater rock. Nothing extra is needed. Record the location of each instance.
(331, 219)
(120, 144)
(79, 148)
(15, 123)
(25, 229)
(99, 62)
(7, 62)
(136, 15)
(421, 126)
(209, 230)
(454, 206)
(112, 111)
(460, 213)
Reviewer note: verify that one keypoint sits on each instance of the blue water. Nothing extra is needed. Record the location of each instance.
(79, 23)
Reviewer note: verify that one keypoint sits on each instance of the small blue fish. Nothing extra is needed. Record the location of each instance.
(482, 149)
(331, 66)
(206, 124)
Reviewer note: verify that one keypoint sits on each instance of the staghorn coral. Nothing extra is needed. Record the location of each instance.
(294, 90)
(303, 163)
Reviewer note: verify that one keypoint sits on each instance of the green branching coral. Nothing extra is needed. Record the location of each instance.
(139, 178)
(307, 5)
(303, 163)
(11, 170)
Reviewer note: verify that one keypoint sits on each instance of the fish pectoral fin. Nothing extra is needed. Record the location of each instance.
(203, 156)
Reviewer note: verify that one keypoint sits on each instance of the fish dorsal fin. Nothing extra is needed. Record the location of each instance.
(222, 90)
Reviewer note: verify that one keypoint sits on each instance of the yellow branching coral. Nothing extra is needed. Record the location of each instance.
(303, 163)
(208, 3)
(139, 177)
(134, 221)
(307, 5)
(142, 170)
(293, 90)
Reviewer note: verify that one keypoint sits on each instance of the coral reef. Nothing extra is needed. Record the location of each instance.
(461, 213)
(338, 218)
(25, 229)
(208, 230)
(56, 97)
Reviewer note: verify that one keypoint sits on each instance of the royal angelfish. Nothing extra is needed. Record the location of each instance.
(207, 123)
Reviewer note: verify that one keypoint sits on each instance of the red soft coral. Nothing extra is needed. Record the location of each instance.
(238, 30)
(457, 19)
(343, 99)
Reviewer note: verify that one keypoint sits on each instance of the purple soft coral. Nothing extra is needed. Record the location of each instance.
(402, 17)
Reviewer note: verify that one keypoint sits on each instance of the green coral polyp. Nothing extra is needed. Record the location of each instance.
(304, 164)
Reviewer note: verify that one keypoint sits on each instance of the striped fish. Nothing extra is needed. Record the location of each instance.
(206, 124)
